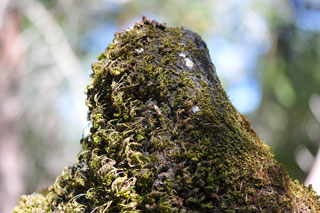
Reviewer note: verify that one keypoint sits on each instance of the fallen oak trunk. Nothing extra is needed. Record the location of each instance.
(165, 138)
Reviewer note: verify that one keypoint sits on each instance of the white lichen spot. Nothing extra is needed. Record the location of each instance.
(189, 63)
(157, 109)
(195, 109)
(139, 50)
(182, 55)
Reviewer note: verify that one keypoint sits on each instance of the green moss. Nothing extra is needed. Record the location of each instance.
(165, 138)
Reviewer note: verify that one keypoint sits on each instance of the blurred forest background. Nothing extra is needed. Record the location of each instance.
(266, 52)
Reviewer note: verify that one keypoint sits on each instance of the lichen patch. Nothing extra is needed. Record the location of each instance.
(189, 63)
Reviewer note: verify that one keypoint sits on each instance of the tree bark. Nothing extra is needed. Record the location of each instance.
(165, 138)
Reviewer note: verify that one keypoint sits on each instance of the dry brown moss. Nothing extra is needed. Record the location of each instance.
(165, 138)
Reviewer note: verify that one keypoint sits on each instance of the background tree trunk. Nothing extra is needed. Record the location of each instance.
(11, 59)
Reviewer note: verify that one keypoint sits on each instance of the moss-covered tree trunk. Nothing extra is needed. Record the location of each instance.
(165, 138)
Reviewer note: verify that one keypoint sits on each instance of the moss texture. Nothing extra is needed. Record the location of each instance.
(165, 138)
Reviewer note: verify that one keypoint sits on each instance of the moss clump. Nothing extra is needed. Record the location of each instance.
(165, 138)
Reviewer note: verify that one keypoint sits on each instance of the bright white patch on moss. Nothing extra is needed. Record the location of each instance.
(182, 55)
(195, 109)
(157, 109)
(139, 50)
(189, 63)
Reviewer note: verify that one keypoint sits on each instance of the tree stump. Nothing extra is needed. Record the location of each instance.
(165, 138)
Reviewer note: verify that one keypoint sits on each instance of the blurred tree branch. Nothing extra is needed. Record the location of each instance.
(65, 58)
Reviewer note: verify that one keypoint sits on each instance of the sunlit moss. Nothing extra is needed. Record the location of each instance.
(165, 138)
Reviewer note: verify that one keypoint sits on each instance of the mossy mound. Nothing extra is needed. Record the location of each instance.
(165, 138)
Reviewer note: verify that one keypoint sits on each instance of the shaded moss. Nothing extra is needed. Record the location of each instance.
(165, 138)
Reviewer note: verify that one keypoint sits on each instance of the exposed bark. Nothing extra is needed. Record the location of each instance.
(165, 138)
